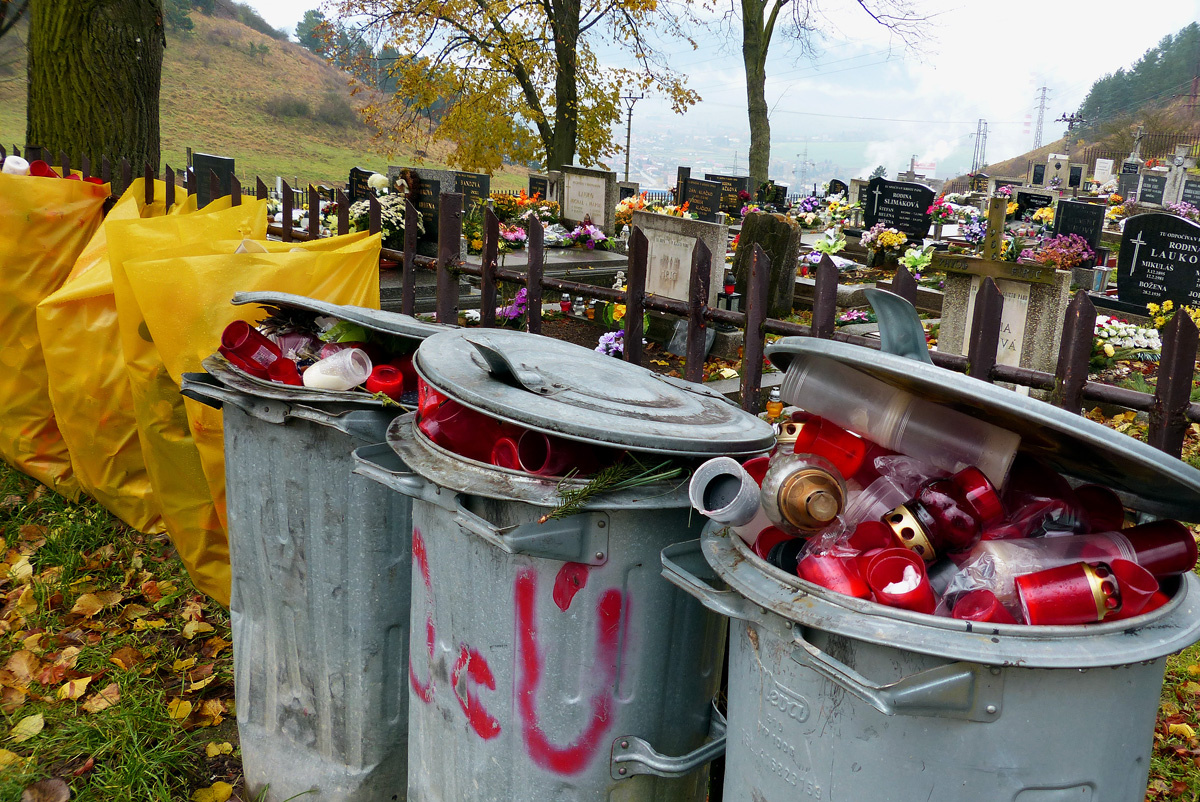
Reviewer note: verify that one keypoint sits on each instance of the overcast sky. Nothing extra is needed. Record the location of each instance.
(982, 59)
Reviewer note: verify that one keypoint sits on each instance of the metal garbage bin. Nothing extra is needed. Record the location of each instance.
(832, 697)
(550, 661)
(321, 564)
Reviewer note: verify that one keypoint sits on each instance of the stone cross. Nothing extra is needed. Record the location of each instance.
(1137, 246)
(875, 207)
(993, 239)
(1137, 143)
(1180, 163)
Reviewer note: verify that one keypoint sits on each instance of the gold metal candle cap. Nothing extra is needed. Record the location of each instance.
(810, 499)
(1104, 589)
(789, 432)
(909, 533)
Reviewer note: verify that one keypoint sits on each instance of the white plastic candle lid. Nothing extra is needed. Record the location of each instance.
(15, 165)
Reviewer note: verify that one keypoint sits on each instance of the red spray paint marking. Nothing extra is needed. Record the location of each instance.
(424, 691)
(479, 672)
(571, 579)
(573, 758)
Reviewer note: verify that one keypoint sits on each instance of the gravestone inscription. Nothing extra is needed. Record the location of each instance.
(1127, 182)
(357, 187)
(704, 199)
(1084, 219)
(898, 205)
(474, 187)
(1191, 193)
(1159, 260)
(1152, 189)
(731, 185)
(1031, 201)
(425, 198)
(838, 187)
(539, 185)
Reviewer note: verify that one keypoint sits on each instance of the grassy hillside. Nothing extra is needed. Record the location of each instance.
(284, 112)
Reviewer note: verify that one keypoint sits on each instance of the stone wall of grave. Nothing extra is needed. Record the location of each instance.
(588, 193)
(669, 254)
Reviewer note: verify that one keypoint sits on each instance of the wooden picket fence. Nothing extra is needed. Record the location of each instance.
(1169, 407)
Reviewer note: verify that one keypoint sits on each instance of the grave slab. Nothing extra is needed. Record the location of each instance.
(1159, 261)
(669, 254)
(589, 193)
(899, 205)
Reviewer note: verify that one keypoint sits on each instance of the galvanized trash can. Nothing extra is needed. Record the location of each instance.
(832, 697)
(321, 578)
(550, 661)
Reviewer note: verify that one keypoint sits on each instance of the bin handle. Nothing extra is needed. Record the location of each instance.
(632, 756)
(381, 464)
(728, 603)
(960, 690)
(363, 424)
(581, 538)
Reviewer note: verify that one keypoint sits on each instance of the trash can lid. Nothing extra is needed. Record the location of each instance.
(373, 319)
(1148, 479)
(564, 389)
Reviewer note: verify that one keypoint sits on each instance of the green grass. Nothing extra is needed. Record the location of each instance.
(132, 749)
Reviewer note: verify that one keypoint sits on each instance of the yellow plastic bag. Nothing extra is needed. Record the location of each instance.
(186, 303)
(45, 223)
(86, 368)
(187, 507)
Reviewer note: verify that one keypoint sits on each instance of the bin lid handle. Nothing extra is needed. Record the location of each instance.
(504, 369)
(900, 326)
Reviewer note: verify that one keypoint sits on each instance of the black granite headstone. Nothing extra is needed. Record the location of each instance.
(1029, 201)
(1152, 188)
(780, 196)
(357, 187)
(731, 185)
(1159, 261)
(1191, 193)
(681, 181)
(839, 187)
(862, 196)
(474, 187)
(899, 205)
(625, 192)
(1127, 181)
(1076, 177)
(202, 163)
(1084, 219)
(704, 199)
(1039, 175)
(539, 185)
(426, 200)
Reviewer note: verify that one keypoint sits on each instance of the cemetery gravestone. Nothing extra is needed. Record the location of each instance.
(682, 175)
(858, 192)
(670, 241)
(357, 187)
(1038, 175)
(425, 198)
(1127, 183)
(627, 189)
(1191, 192)
(1159, 261)
(837, 187)
(1103, 171)
(1152, 189)
(474, 187)
(589, 194)
(1180, 163)
(202, 163)
(539, 185)
(1076, 179)
(902, 206)
(1084, 219)
(731, 185)
(1029, 201)
(704, 199)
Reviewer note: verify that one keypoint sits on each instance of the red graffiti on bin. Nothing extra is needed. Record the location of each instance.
(571, 579)
(574, 757)
(424, 691)
(479, 672)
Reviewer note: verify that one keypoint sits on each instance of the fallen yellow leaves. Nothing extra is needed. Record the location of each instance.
(26, 728)
(213, 749)
(89, 604)
(8, 759)
(1184, 730)
(179, 709)
(217, 792)
(126, 657)
(73, 689)
(193, 628)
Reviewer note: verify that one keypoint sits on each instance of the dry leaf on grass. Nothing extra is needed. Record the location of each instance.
(73, 689)
(8, 758)
(179, 709)
(105, 698)
(126, 657)
(193, 628)
(52, 790)
(26, 728)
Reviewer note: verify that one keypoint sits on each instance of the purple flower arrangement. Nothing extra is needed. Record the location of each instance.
(514, 310)
(589, 237)
(612, 343)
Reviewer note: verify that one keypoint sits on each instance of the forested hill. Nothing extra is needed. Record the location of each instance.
(1163, 73)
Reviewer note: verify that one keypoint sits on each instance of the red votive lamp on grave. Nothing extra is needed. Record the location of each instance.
(981, 605)
(387, 380)
(249, 344)
(1079, 593)
(946, 515)
(564, 305)
(898, 579)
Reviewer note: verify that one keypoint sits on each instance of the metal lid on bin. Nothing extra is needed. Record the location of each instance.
(1150, 480)
(373, 319)
(564, 389)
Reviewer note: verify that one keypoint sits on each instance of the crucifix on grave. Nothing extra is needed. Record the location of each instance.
(1137, 246)
(875, 202)
(1179, 164)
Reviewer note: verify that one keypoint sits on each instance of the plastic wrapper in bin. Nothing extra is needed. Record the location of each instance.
(833, 697)
(548, 658)
(86, 367)
(45, 223)
(185, 500)
(321, 563)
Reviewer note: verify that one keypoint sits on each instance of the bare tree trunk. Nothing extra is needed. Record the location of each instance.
(560, 150)
(755, 42)
(95, 69)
